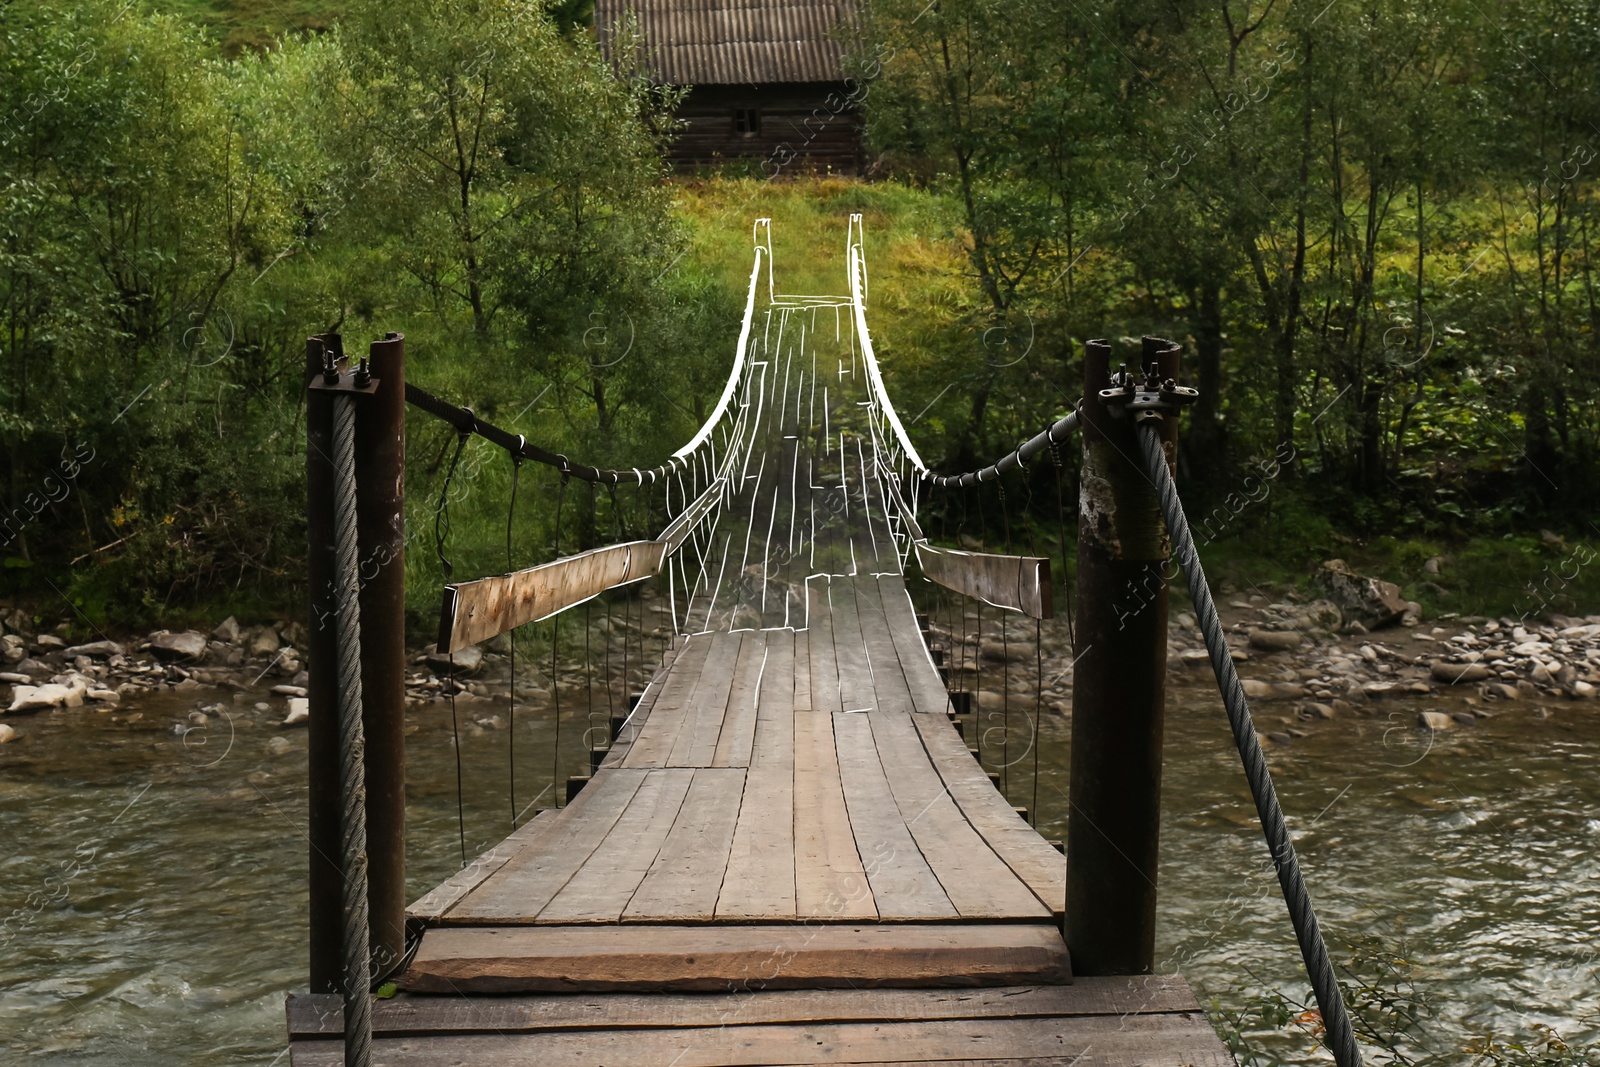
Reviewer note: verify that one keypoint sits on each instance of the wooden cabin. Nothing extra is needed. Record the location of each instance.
(767, 80)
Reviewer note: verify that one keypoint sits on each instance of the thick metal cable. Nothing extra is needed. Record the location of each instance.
(1057, 431)
(1335, 1019)
(352, 743)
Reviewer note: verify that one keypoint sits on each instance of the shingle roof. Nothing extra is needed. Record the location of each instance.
(730, 42)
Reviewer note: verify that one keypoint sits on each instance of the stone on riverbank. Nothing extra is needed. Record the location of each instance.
(1274, 640)
(228, 631)
(40, 697)
(1435, 720)
(1458, 673)
(97, 650)
(187, 646)
(299, 712)
(467, 660)
(1371, 602)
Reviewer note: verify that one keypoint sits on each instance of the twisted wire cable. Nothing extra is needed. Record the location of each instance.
(1339, 1035)
(352, 743)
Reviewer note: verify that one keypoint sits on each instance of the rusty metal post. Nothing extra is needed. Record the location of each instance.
(380, 463)
(380, 522)
(322, 658)
(1119, 687)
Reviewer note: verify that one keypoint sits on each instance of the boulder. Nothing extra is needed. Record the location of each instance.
(1435, 720)
(1458, 673)
(7, 734)
(1005, 651)
(97, 650)
(1274, 640)
(264, 642)
(228, 631)
(50, 641)
(1502, 690)
(1255, 688)
(1317, 711)
(187, 646)
(1371, 602)
(1583, 691)
(279, 746)
(39, 697)
(467, 660)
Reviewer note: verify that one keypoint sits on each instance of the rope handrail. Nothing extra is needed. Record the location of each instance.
(468, 423)
(1057, 431)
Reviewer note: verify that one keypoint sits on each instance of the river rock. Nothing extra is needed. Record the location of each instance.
(1255, 688)
(39, 697)
(228, 631)
(1458, 673)
(7, 734)
(279, 746)
(1274, 640)
(1005, 651)
(289, 690)
(299, 712)
(1317, 711)
(187, 646)
(467, 660)
(1435, 720)
(50, 641)
(264, 642)
(97, 649)
(1371, 602)
(1502, 690)
(1583, 691)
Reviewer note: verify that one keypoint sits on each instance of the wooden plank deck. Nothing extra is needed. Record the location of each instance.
(790, 857)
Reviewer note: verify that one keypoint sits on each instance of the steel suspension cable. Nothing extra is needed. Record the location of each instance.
(1319, 968)
(352, 744)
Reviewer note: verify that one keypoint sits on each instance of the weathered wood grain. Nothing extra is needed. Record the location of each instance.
(686, 876)
(439, 900)
(759, 881)
(657, 734)
(608, 879)
(521, 888)
(499, 959)
(1177, 1040)
(1018, 583)
(829, 881)
(322, 1014)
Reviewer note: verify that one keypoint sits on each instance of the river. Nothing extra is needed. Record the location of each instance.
(153, 893)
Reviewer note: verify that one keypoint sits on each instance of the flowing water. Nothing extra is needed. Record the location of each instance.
(152, 900)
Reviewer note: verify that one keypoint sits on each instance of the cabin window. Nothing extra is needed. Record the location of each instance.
(746, 120)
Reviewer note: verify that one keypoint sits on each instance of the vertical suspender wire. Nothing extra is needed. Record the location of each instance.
(511, 710)
(555, 640)
(441, 531)
(1339, 1034)
(1061, 530)
(1005, 667)
(352, 744)
(1038, 650)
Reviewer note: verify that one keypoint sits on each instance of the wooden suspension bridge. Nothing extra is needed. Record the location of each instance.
(788, 854)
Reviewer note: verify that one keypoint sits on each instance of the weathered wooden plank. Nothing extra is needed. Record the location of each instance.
(521, 959)
(829, 881)
(903, 885)
(856, 691)
(820, 649)
(696, 745)
(978, 882)
(1094, 1041)
(928, 693)
(802, 671)
(1033, 859)
(322, 1014)
(686, 876)
(602, 887)
(529, 880)
(759, 882)
(739, 720)
(647, 700)
(478, 610)
(1019, 583)
(669, 710)
(439, 900)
